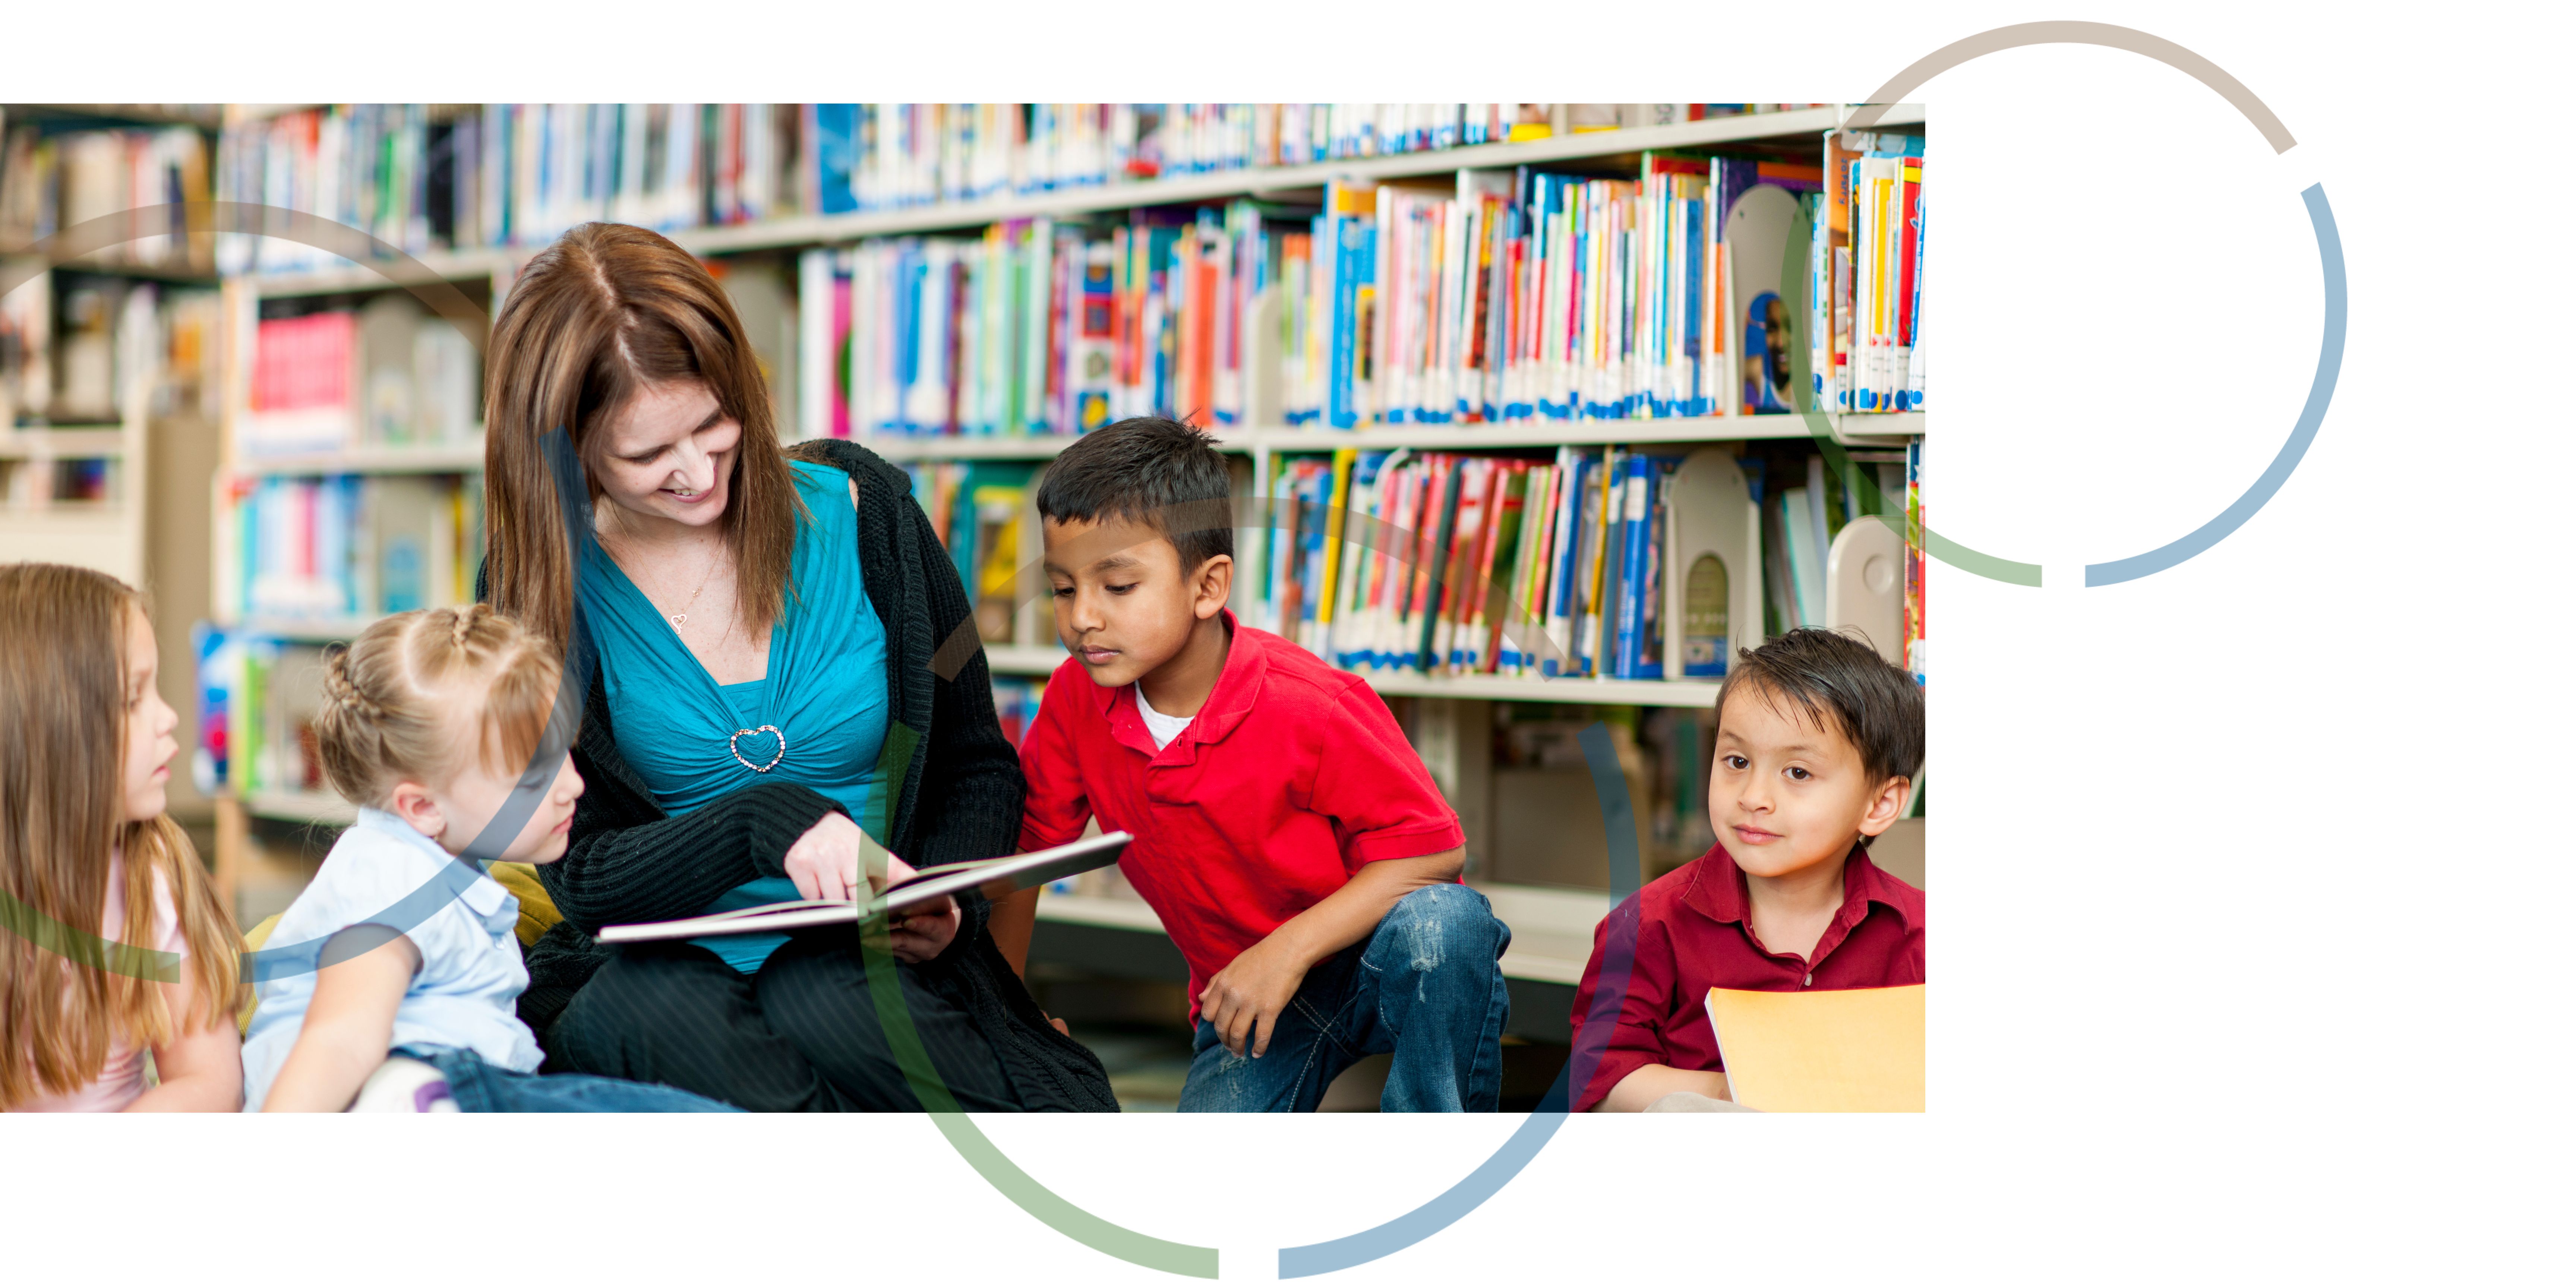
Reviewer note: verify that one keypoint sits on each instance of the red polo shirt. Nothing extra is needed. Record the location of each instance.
(1695, 932)
(1291, 776)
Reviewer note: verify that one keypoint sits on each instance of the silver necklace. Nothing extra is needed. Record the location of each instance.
(733, 745)
(680, 620)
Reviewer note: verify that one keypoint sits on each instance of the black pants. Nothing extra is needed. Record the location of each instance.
(802, 1034)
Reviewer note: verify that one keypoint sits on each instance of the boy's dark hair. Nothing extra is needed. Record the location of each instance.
(1842, 684)
(1151, 470)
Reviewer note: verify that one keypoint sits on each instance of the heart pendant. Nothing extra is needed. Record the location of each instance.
(734, 744)
(679, 620)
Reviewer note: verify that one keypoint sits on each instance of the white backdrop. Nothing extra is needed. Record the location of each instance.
(2251, 873)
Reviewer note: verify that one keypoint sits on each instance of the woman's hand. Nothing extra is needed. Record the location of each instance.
(824, 863)
(923, 931)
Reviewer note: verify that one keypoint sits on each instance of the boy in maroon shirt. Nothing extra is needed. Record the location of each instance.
(1290, 839)
(1818, 742)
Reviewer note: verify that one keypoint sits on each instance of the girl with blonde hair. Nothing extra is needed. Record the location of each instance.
(403, 976)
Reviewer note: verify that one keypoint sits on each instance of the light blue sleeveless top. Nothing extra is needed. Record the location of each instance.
(824, 694)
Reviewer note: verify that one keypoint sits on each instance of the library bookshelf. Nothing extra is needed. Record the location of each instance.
(75, 488)
(97, 453)
(1452, 717)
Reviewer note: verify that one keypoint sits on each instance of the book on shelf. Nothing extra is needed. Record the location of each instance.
(387, 374)
(1490, 296)
(456, 177)
(993, 878)
(344, 546)
(53, 180)
(70, 341)
(27, 353)
(256, 703)
(1866, 251)
(1598, 562)
(1914, 562)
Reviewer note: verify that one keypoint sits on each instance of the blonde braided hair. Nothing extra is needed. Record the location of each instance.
(419, 695)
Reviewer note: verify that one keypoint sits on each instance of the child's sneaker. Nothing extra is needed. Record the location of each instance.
(402, 1085)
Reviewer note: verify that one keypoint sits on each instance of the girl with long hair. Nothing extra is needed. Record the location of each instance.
(111, 941)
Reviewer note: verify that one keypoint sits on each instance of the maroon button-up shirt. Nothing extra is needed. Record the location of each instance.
(1695, 932)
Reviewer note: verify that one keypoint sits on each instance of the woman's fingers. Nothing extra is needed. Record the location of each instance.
(801, 870)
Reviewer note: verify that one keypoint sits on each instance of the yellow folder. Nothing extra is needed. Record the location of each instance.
(1854, 1050)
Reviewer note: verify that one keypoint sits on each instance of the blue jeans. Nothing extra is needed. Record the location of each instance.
(1426, 985)
(481, 1088)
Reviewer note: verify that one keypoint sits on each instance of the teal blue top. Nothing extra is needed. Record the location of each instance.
(693, 740)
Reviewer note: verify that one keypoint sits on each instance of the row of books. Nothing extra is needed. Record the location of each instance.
(504, 174)
(1517, 296)
(423, 178)
(385, 374)
(1015, 703)
(345, 546)
(257, 698)
(1581, 565)
(38, 485)
(983, 513)
(65, 351)
(1914, 562)
(1506, 296)
(1865, 275)
(53, 180)
(884, 156)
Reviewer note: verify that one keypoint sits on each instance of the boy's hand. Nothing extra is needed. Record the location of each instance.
(1244, 1000)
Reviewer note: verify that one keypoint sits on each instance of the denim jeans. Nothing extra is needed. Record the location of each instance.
(1427, 985)
(480, 1088)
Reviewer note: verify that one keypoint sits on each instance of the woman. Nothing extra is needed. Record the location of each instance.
(764, 630)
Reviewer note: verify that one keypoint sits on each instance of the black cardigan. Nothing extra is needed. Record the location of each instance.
(959, 798)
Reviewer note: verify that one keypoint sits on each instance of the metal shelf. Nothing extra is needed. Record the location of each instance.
(73, 442)
(1500, 688)
(1551, 928)
(1852, 430)
(314, 630)
(437, 266)
(1098, 910)
(1023, 659)
(816, 230)
(997, 447)
(301, 807)
(1044, 659)
(455, 458)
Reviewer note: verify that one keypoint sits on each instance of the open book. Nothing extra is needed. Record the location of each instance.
(994, 877)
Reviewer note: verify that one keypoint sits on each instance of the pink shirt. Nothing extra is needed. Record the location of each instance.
(120, 1082)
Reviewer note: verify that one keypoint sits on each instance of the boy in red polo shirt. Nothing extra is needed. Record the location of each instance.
(1290, 839)
(1818, 742)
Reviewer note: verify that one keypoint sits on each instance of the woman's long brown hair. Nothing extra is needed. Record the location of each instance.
(65, 1003)
(593, 318)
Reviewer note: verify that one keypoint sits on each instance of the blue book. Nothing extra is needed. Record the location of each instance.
(1574, 543)
(1628, 597)
(836, 154)
(1357, 267)
(1697, 399)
